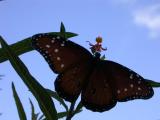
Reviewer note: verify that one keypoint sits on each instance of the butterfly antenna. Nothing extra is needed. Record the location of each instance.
(63, 31)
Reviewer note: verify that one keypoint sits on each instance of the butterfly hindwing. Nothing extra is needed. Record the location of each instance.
(97, 95)
(60, 54)
(128, 84)
(69, 84)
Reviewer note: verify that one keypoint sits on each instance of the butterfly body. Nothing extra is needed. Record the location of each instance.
(101, 83)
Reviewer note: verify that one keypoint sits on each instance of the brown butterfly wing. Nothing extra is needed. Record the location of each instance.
(128, 84)
(60, 54)
(69, 84)
(98, 95)
(71, 61)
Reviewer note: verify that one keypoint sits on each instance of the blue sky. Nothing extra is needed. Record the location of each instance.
(130, 30)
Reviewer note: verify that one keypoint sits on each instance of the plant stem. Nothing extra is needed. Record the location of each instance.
(70, 113)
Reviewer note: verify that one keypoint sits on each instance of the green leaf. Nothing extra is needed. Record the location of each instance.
(62, 28)
(62, 114)
(78, 108)
(19, 105)
(18, 48)
(34, 115)
(153, 83)
(44, 100)
(56, 96)
(67, 34)
(63, 31)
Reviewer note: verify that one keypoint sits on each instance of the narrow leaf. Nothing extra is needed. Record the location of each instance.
(18, 48)
(63, 31)
(62, 114)
(44, 100)
(56, 96)
(19, 105)
(34, 116)
(67, 34)
(78, 108)
(153, 83)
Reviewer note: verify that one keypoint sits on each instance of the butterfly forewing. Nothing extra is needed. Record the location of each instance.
(128, 84)
(97, 95)
(71, 61)
(58, 52)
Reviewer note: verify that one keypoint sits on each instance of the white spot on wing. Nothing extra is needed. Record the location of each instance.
(62, 44)
(118, 91)
(48, 46)
(139, 88)
(125, 89)
(56, 50)
(62, 65)
(131, 85)
(131, 76)
(52, 41)
(58, 58)
(139, 82)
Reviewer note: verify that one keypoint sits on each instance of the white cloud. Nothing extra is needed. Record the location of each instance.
(149, 17)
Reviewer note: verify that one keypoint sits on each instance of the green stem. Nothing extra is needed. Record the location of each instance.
(70, 113)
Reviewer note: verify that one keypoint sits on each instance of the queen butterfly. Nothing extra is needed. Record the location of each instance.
(101, 83)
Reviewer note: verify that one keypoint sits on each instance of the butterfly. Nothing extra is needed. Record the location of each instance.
(101, 83)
